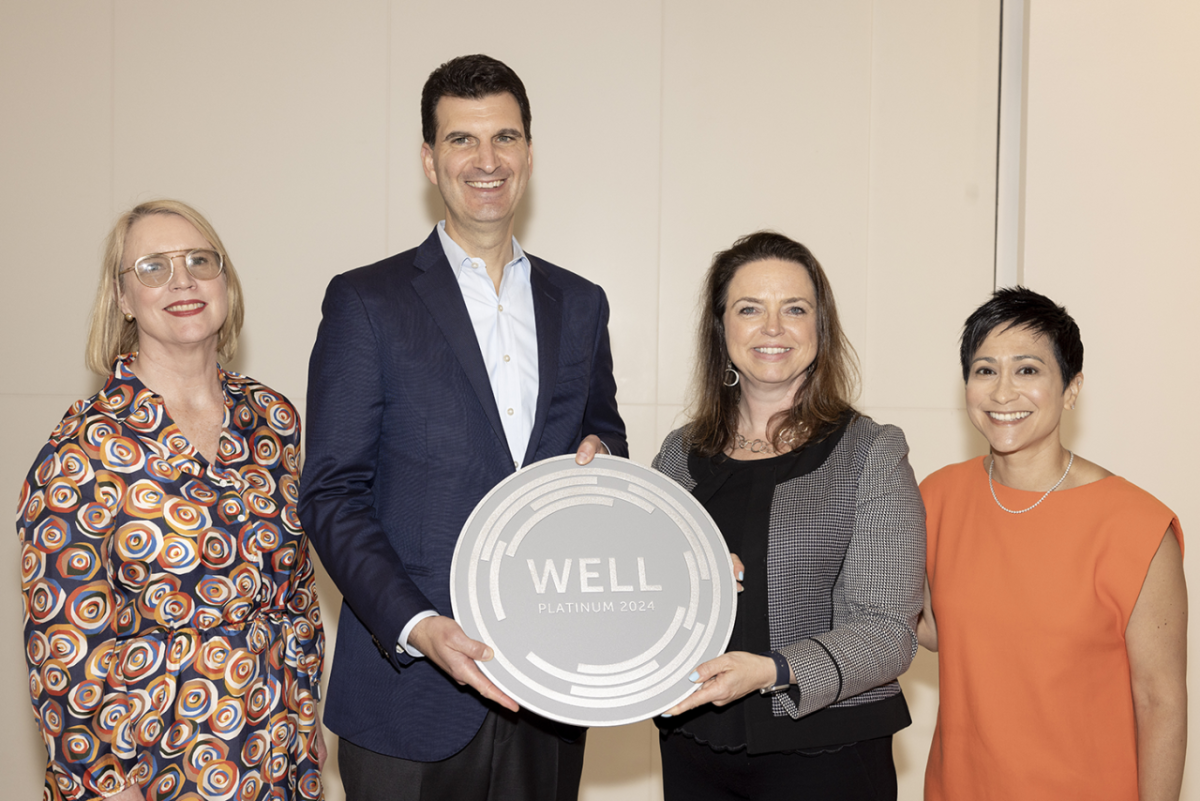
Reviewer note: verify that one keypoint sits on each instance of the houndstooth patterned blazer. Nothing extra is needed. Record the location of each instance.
(845, 568)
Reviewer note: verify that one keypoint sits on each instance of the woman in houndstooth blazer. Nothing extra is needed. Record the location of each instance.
(822, 507)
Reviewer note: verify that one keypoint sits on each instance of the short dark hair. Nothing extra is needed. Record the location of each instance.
(471, 77)
(1019, 307)
(831, 378)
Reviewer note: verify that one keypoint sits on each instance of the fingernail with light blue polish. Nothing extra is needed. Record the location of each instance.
(665, 715)
(741, 575)
(695, 676)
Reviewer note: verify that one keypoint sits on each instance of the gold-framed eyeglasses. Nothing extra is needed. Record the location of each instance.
(156, 269)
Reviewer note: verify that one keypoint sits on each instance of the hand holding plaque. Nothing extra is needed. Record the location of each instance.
(442, 641)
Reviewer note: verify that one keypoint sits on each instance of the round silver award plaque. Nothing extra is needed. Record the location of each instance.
(600, 588)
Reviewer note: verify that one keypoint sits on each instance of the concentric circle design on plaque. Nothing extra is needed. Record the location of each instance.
(600, 588)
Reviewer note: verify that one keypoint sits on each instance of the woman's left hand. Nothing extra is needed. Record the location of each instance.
(322, 751)
(726, 679)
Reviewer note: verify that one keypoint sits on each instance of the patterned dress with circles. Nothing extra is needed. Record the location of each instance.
(171, 622)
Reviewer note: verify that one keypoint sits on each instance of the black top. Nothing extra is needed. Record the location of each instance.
(738, 496)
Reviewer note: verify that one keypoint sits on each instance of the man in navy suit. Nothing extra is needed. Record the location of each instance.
(436, 374)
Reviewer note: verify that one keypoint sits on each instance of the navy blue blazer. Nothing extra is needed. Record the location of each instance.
(403, 439)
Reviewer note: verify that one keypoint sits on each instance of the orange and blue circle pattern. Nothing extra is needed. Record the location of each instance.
(173, 636)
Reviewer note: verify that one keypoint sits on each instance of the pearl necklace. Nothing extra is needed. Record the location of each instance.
(992, 487)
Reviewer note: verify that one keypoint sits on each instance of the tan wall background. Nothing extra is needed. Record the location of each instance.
(1112, 228)
(663, 129)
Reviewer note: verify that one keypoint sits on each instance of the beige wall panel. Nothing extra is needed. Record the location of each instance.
(55, 89)
(270, 118)
(622, 764)
(669, 418)
(1111, 210)
(932, 195)
(766, 122)
(592, 206)
(936, 437)
(55, 92)
(641, 429)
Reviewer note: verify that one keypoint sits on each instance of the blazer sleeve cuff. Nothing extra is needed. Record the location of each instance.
(818, 676)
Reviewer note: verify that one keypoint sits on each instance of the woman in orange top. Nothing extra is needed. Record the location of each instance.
(1055, 597)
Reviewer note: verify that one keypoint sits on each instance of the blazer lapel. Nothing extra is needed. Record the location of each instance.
(547, 311)
(439, 291)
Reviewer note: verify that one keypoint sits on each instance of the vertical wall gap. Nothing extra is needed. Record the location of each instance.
(662, 122)
(387, 128)
(1009, 157)
(865, 352)
(112, 108)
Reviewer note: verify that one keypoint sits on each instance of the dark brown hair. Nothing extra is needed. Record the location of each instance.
(829, 385)
(470, 77)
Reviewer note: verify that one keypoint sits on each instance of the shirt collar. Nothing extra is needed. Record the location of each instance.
(458, 257)
(124, 393)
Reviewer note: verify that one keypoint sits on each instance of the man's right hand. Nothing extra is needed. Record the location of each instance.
(443, 641)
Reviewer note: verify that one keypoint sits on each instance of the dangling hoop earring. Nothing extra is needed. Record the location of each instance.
(737, 377)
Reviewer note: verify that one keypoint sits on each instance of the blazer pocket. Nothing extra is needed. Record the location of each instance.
(575, 371)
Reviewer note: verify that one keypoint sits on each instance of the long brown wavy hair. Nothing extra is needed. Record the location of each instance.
(832, 378)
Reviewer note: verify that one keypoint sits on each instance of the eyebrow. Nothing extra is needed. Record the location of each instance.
(991, 359)
(788, 300)
(502, 132)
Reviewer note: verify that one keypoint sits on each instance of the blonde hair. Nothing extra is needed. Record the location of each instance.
(111, 335)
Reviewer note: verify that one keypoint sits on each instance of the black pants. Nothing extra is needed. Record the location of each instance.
(514, 756)
(860, 772)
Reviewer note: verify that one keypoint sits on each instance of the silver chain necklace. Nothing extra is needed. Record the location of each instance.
(761, 445)
(992, 487)
(752, 445)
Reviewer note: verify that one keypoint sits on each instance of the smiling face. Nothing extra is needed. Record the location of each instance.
(480, 162)
(771, 326)
(1015, 394)
(186, 312)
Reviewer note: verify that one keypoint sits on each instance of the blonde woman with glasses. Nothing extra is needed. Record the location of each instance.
(172, 630)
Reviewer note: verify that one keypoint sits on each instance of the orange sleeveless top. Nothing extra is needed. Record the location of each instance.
(1031, 610)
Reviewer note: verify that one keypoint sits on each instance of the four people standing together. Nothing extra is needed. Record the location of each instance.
(172, 629)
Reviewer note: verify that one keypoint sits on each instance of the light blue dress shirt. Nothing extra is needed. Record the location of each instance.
(506, 329)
